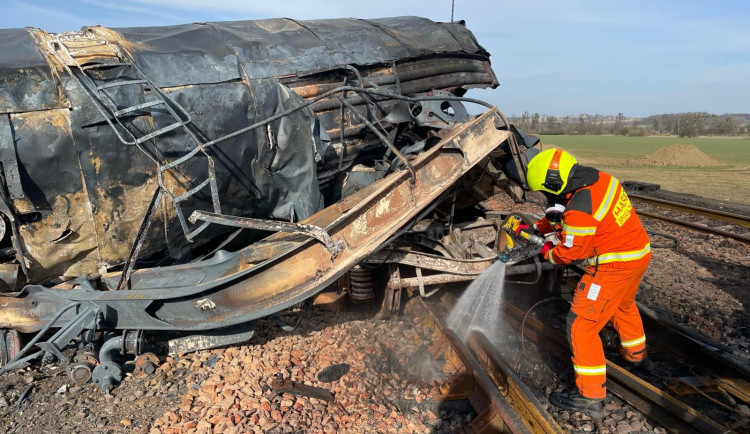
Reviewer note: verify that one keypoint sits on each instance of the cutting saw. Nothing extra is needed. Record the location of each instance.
(519, 243)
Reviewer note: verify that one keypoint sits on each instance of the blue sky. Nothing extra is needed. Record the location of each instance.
(569, 57)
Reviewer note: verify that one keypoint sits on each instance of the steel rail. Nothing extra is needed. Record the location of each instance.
(511, 387)
(696, 226)
(737, 219)
(653, 402)
(716, 359)
(513, 413)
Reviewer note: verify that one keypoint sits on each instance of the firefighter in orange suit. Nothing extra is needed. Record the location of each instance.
(600, 227)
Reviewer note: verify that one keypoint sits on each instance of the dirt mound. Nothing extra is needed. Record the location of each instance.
(677, 155)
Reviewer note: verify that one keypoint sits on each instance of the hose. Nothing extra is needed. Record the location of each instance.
(523, 344)
(526, 315)
(675, 241)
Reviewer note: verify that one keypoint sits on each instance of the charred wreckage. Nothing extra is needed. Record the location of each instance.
(195, 178)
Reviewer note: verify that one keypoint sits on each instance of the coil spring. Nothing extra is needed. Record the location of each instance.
(361, 284)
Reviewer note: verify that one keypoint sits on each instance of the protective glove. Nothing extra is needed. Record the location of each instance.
(546, 248)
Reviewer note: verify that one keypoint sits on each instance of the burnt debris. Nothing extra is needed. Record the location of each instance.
(198, 177)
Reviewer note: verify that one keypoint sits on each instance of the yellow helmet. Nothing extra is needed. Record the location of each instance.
(549, 170)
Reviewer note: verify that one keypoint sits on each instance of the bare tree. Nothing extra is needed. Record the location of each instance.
(581, 128)
(525, 120)
(618, 122)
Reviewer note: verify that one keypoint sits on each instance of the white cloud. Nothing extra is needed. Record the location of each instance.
(48, 11)
(305, 9)
(132, 8)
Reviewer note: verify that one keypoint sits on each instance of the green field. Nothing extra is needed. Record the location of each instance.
(730, 182)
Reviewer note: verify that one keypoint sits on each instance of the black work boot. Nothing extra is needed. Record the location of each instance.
(575, 402)
(645, 365)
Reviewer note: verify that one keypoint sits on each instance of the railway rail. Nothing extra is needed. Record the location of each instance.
(735, 218)
(742, 221)
(644, 392)
(505, 404)
(502, 402)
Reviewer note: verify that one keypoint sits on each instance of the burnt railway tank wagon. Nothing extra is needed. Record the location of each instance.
(143, 167)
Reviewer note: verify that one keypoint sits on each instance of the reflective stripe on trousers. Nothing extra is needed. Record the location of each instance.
(634, 342)
(590, 370)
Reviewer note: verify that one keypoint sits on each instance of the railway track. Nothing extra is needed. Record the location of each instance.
(741, 222)
(681, 403)
(501, 400)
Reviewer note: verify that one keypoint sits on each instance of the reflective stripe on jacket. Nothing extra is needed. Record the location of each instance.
(601, 226)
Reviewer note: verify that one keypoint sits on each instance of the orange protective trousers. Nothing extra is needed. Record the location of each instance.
(603, 295)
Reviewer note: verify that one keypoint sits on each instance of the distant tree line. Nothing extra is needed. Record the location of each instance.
(679, 124)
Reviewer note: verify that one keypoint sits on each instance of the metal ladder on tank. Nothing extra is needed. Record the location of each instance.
(70, 47)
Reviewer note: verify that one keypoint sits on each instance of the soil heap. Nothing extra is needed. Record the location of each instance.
(677, 155)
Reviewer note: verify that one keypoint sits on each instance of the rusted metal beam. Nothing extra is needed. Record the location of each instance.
(270, 226)
(473, 267)
(438, 279)
(288, 386)
(434, 279)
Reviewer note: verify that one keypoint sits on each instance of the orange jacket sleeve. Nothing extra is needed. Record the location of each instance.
(577, 238)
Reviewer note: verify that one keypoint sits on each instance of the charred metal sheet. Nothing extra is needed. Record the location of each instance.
(237, 334)
(288, 386)
(283, 47)
(441, 114)
(27, 83)
(8, 277)
(177, 55)
(10, 159)
(104, 215)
